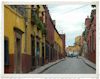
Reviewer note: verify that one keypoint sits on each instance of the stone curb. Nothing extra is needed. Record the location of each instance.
(51, 66)
(42, 70)
(87, 63)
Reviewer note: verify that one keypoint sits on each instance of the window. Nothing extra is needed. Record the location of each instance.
(6, 52)
(47, 51)
(42, 13)
(20, 9)
(38, 6)
(32, 6)
(13, 6)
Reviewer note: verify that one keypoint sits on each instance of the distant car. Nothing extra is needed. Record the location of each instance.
(70, 54)
(75, 54)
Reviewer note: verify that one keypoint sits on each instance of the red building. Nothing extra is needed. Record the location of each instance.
(50, 36)
(91, 36)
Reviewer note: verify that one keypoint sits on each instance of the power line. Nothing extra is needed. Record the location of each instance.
(75, 9)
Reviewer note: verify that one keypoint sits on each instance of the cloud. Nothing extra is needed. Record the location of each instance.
(65, 8)
(70, 19)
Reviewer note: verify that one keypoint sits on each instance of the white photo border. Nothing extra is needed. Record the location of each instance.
(49, 75)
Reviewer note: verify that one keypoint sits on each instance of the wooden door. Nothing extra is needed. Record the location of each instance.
(42, 53)
(33, 52)
(18, 55)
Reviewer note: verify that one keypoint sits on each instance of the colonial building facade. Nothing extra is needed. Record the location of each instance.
(90, 36)
(29, 37)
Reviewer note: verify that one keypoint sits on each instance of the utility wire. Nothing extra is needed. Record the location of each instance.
(75, 9)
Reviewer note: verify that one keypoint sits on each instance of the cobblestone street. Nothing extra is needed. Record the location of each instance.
(71, 66)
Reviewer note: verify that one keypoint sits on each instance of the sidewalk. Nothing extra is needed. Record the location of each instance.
(45, 67)
(89, 63)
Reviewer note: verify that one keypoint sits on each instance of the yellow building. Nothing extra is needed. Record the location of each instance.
(14, 39)
(78, 40)
(77, 47)
(38, 33)
(58, 45)
(25, 38)
(78, 43)
(24, 34)
(70, 48)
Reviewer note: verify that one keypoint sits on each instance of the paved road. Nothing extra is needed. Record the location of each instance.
(70, 66)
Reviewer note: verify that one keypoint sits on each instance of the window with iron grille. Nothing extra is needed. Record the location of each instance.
(20, 9)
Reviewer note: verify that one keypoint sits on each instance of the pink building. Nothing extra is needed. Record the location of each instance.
(50, 36)
(91, 36)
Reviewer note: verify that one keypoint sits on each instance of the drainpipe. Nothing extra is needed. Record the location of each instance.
(26, 23)
(25, 36)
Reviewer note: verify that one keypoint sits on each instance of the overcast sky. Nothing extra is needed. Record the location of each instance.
(70, 19)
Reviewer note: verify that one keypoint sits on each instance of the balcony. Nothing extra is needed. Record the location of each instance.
(36, 20)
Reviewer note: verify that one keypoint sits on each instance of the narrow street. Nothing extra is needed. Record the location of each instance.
(39, 37)
(70, 66)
